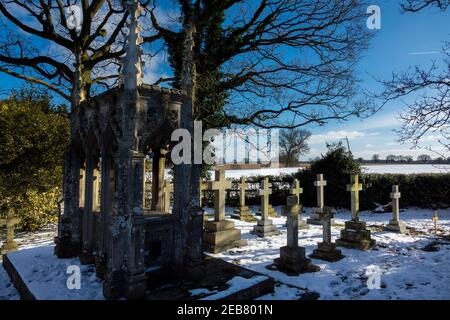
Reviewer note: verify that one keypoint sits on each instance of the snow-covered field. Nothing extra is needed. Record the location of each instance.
(381, 168)
(407, 271)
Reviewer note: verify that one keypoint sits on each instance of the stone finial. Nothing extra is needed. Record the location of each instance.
(132, 64)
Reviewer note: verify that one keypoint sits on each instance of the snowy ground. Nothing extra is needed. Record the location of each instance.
(407, 271)
(380, 168)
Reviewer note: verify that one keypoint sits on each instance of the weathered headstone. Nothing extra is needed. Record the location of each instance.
(355, 235)
(292, 258)
(326, 250)
(10, 223)
(315, 218)
(396, 224)
(220, 234)
(265, 226)
(243, 212)
(167, 190)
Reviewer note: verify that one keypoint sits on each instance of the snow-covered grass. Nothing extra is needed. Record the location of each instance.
(407, 271)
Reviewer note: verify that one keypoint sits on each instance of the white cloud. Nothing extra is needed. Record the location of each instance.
(331, 136)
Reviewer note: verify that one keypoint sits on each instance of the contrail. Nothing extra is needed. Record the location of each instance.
(425, 52)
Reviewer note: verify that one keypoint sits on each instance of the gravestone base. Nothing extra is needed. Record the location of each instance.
(396, 226)
(86, 257)
(292, 261)
(219, 236)
(8, 247)
(214, 283)
(356, 236)
(243, 214)
(327, 251)
(265, 228)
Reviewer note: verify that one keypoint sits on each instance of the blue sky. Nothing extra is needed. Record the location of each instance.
(394, 48)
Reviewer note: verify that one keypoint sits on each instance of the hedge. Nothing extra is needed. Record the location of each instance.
(417, 190)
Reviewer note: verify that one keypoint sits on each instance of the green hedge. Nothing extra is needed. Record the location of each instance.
(418, 190)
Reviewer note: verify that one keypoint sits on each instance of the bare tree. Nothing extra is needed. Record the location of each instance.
(430, 111)
(40, 45)
(262, 62)
(293, 143)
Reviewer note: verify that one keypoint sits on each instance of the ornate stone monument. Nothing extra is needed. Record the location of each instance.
(243, 212)
(292, 258)
(265, 227)
(10, 223)
(220, 234)
(320, 184)
(396, 224)
(134, 248)
(120, 127)
(326, 250)
(355, 235)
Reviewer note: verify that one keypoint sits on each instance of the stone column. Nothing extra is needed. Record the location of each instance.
(396, 224)
(159, 163)
(106, 207)
(125, 276)
(292, 259)
(95, 195)
(68, 241)
(86, 256)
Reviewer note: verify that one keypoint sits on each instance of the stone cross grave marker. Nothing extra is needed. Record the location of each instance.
(264, 226)
(326, 249)
(354, 188)
(396, 224)
(292, 260)
(264, 193)
(320, 184)
(10, 223)
(220, 235)
(219, 186)
(296, 190)
(243, 212)
(243, 186)
(167, 189)
(435, 220)
(355, 235)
